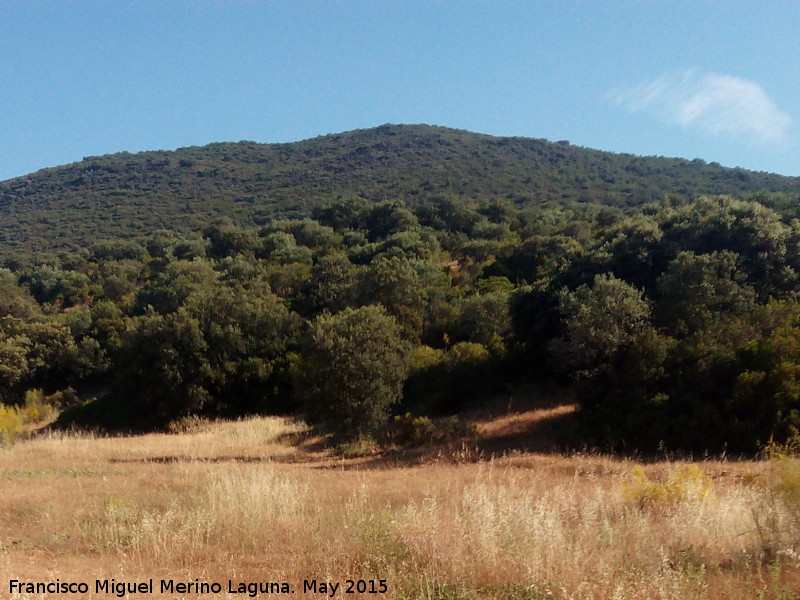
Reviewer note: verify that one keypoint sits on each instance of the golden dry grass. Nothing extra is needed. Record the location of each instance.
(257, 500)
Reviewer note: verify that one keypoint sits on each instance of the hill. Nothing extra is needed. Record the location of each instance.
(123, 195)
(675, 322)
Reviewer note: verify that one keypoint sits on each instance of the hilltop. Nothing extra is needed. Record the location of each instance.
(125, 195)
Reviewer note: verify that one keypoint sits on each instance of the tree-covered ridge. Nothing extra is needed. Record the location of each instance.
(125, 195)
(675, 322)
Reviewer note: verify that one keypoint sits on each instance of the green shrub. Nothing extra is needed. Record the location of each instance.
(11, 422)
(356, 448)
(13, 419)
(38, 407)
(686, 483)
(408, 429)
(413, 430)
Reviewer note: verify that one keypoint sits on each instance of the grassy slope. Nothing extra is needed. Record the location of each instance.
(255, 500)
(130, 194)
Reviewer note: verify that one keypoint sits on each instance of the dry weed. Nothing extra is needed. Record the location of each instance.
(235, 500)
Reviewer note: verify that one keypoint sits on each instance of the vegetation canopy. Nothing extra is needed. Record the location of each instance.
(405, 270)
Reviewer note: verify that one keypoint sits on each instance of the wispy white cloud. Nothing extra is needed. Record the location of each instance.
(713, 104)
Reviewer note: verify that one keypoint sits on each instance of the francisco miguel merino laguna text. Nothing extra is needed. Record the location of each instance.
(168, 586)
(164, 586)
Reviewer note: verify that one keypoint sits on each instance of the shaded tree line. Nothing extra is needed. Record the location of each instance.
(677, 323)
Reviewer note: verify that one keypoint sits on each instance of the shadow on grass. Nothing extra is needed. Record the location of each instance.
(531, 420)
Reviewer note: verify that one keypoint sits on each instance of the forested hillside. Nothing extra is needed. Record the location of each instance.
(412, 271)
(125, 195)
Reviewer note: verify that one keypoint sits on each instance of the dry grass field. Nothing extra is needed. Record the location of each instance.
(259, 500)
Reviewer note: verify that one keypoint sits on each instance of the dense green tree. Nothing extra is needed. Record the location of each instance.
(394, 283)
(343, 214)
(161, 370)
(387, 218)
(281, 247)
(117, 250)
(539, 258)
(16, 301)
(54, 284)
(599, 322)
(241, 271)
(353, 366)
(450, 214)
(410, 245)
(627, 404)
(305, 232)
(168, 289)
(38, 352)
(161, 243)
(498, 211)
(334, 285)
(287, 280)
(227, 239)
(749, 229)
(107, 325)
(13, 365)
(191, 249)
(249, 334)
(694, 290)
(119, 279)
(765, 400)
(483, 319)
(634, 250)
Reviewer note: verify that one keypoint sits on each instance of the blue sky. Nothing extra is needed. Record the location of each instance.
(714, 80)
